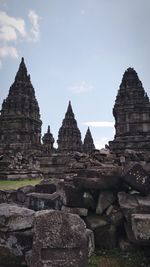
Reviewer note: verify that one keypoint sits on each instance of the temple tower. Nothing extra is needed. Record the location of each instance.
(20, 124)
(132, 115)
(69, 136)
(48, 141)
(88, 144)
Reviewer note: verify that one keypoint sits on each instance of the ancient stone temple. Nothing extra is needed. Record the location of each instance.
(48, 141)
(132, 115)
(69, 136)
(20, 124)
(88, 144)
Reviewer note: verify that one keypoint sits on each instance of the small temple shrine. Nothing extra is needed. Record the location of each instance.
(132, 115)
(69, 136)
(88, 144)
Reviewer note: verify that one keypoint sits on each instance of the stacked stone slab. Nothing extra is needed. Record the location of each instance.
(132, 115)
(69, 136)
(20, 124)
(88, 144)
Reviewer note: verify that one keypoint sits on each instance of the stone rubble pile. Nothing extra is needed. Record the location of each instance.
(115, 209)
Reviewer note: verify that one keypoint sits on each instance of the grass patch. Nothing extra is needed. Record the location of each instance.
(7, 184)
(116, 258)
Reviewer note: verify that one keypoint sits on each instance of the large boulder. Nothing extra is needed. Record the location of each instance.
(59, 240)
(13, 217)
(136, 177)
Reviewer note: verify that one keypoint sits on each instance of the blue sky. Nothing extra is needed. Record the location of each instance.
(75, 50)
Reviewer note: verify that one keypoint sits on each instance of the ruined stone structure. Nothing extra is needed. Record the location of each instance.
(20, 124)
(132, 115)
(48, 141)
(69, 136)
(88, 144)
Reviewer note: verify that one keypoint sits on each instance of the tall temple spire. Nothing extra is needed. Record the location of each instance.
(69, 110)
(20, 124)
(22, 72)
(88, 144)
(131, 112)
(69, 136)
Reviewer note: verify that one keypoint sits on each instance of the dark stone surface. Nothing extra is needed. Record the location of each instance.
(48, 188)
(103, 182)
(72, 196)
(137, 178)
(59, 240)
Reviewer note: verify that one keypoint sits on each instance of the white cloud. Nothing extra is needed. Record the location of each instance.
(34, 19)
(8, 51)
(81, 88)
(11, 27)
(13, 30)
(99, 124)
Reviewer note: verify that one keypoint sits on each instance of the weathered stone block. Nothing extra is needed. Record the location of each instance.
(106, 198)
(41, 201)
(103, 182)
(137, 178)
(59, 240)
(141, 228)
(13, 218)
(80, 211)
(131, 204)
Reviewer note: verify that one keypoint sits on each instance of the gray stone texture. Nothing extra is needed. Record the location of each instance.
(59, 240)
(14, 218)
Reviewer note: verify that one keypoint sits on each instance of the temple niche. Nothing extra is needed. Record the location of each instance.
(132, 115)
(20, 124)
(69, 136)
(88, 143)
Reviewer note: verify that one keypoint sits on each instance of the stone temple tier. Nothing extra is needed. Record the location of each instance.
(132, 115)
(20, 124)
(69, 136)
(88, 144)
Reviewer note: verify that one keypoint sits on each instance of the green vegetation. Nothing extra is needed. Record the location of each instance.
(115, 258)
(6, 185)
